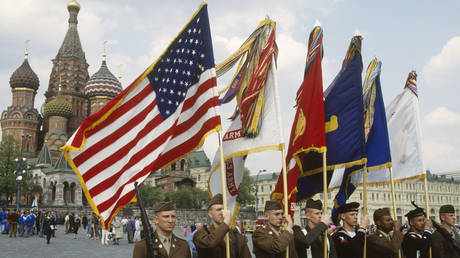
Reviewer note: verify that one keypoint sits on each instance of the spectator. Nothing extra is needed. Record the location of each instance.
(130, 228)
(75, 226)
(198, 226)
(22, 222)
(2, 217)
(66, 223)
(84, 221)
(137, 232)
(13, 218)
(48, 227)
(117, 230)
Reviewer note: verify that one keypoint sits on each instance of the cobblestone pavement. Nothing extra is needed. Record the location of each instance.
(63, 245)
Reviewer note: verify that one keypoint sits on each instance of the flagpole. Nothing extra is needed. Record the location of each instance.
(325, 199)
(224, 190)
(426, 203)
(283, 156)
(393, 200)
(365, 206)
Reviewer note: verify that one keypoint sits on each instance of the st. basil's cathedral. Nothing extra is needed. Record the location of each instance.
(72, 95)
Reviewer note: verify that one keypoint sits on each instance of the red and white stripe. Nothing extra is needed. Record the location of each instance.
(134, 140)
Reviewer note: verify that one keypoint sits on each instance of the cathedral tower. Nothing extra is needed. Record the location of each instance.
(21, 118)
(102, 87)
(70, 66)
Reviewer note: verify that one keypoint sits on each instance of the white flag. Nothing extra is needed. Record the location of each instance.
(404, 130)
(236, 147)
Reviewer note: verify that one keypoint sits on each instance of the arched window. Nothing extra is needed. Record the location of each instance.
(182, 165)
(173, 166)
(72, 192)
(53, 191)
(66, 192)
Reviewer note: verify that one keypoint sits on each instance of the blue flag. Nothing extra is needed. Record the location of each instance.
(344, 115)
(376, 132)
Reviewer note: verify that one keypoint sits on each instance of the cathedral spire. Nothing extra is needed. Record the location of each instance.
(71, 47)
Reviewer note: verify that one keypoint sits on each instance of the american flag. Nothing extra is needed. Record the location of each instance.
(163, 115)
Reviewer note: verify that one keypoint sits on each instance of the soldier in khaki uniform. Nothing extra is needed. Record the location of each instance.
(272, 241)
(169, 246)
(446, 240)
(310, 242)
(210, 241)
(387, 239)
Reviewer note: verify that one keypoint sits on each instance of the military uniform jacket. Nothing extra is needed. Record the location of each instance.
(379, 246)
(347, 246)
(314, 241)
(267, 244)
(416, 246)
(445, 245)
(179, 248)
(210, 242)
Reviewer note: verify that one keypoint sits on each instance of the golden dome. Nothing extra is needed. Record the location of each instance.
(73, 4)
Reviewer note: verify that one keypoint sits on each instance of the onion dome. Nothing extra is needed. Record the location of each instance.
(73, 5)
(58, 107)
(103, 83)
(24, 77)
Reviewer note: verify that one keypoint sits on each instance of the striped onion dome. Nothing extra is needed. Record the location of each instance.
(103, 83)
(58, 107)
(24, 77)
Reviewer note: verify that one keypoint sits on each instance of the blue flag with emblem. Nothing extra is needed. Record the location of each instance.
(376, 133)
(344, 116)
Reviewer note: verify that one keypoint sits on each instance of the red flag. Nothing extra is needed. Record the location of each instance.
(308, 135)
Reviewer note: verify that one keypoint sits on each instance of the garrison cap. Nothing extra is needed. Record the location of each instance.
(379, 213)
(273, 205)
(447, 209)
(348, 207)
(312, 204)
(165, 205)
(216, 199)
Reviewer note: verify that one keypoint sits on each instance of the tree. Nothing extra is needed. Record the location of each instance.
(9, 150)
(150, 194)
(190, 198)
(245, 196)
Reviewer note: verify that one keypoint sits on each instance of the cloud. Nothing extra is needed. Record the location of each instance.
(442, 69)
(441, 116)
(440, 141)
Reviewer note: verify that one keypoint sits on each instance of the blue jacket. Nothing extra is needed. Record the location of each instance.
(22, 218)
(2, 215)
(30, 220)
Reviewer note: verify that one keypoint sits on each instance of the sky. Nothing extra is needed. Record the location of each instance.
(405, 35)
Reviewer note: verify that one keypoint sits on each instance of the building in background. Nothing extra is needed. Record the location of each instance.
(441, 190)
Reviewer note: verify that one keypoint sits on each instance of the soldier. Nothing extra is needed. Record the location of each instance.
(349, 239)
(417, 241)
(387, 239)
(310, 243)
(210, 241)
(446, 241)
(169, 245)
(272, 241)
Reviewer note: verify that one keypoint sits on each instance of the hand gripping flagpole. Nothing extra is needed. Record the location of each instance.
(224, 189)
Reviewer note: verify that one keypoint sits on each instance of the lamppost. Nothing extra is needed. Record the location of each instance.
(20, 171)
(257, 190)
